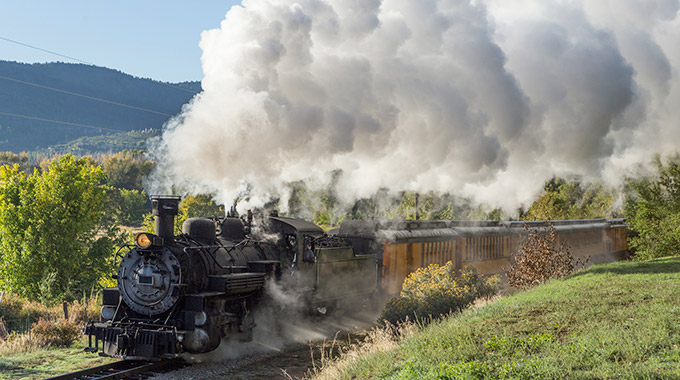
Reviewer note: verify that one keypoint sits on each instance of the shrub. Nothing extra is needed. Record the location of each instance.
(436, 291)
(539, 258)
(18, 314)
(62, 333)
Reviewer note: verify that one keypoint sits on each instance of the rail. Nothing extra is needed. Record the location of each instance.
(124, 369)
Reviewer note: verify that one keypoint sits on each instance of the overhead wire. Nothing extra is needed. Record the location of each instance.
(45, 50)
(60, 122)
(77, 94)
(85, 96)
(89, 63)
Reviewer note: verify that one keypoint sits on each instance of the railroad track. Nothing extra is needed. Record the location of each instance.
(124, 369)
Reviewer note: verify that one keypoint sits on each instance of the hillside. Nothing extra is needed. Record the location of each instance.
(619, 320)
(18, 134)
(104, 143)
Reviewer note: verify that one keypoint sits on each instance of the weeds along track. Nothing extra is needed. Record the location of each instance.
(124, 369)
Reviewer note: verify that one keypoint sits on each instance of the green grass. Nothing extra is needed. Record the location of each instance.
(44, 363)
(620, 320)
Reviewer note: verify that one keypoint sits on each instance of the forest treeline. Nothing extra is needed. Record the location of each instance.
(63, 217)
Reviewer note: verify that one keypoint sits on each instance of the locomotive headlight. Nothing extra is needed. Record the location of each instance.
(145, 240)
(142, 240)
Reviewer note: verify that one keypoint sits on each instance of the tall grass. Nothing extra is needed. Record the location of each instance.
(378, 341)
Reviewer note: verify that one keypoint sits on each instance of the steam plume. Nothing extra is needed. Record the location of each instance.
(481, 98)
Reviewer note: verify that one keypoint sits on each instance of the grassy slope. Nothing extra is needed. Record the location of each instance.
(620, 320)
(40, 364)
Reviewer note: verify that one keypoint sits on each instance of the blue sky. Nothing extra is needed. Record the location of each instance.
(149, 38)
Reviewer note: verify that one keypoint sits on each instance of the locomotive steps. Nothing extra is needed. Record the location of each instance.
(619, 320)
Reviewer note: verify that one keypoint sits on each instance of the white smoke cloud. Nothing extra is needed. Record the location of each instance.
(486, 99)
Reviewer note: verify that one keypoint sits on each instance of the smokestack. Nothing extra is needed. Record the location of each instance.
(164, 208)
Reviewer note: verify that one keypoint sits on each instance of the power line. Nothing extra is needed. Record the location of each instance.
(45, 50)
(89, 63)
(85, 96)
(59, 122)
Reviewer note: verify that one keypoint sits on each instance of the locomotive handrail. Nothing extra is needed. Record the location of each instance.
(218, 246)
(212, 253)
(117, 254)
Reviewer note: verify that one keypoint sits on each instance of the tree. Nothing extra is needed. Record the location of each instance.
(52, 242)
(126, 169)
(571, 199)
(201, 205)
(652, 209)
(125, 173)
(128, 206)
(10, 158)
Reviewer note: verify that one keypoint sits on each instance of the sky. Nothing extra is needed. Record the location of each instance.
(150, 39)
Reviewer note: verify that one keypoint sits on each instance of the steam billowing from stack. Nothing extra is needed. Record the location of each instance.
(486, 99)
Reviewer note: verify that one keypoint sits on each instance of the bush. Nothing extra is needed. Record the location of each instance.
(62, 333)
(435, 291)
(18, 313)
(539, 258)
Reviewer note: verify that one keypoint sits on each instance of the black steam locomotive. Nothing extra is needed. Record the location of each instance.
(185, 293)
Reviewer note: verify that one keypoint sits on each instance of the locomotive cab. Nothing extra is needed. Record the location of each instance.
(297, 237)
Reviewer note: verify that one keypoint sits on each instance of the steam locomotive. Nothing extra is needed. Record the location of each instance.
(185, 293)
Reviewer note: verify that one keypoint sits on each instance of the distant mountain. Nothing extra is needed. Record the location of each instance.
(19, 134)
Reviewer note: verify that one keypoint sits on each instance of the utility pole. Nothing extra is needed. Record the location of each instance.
(417, 213)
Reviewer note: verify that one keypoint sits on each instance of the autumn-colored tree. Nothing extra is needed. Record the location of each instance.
(539, 258)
